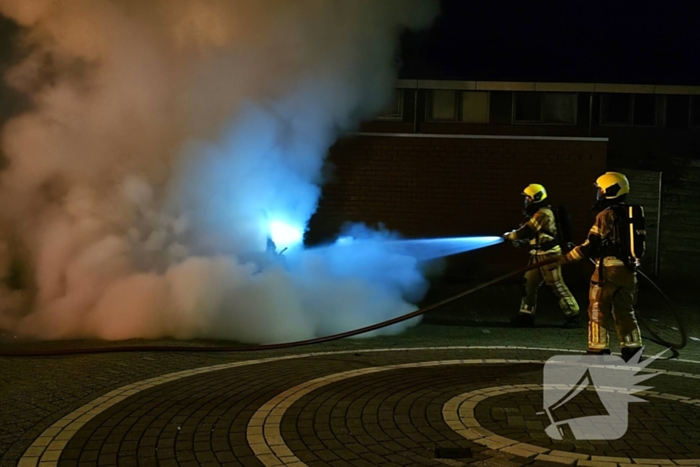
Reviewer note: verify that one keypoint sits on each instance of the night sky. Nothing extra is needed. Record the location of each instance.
(617, 41)
(614, 41)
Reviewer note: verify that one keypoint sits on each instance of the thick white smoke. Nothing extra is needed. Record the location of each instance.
(164, 137)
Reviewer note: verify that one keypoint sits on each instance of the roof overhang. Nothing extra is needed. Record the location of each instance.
(549, 87)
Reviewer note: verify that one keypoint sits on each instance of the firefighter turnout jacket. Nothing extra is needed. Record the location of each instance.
(612, 293)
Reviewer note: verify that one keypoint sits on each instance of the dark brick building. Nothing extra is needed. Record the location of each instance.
(450, 158)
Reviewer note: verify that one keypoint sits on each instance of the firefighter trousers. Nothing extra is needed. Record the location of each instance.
(552, 277)
(612, 296)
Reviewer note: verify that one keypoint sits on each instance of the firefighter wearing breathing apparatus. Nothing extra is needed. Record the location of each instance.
(616, 242)
(540, 234)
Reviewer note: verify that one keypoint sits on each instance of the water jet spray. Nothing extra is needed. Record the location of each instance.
(426, 249)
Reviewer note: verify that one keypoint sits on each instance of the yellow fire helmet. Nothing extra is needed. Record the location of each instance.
(612, 185)
(534, 193)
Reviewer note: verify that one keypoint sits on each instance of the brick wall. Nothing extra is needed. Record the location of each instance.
(442, 187)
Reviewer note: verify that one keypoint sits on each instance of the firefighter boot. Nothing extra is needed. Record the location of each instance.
(630, 353)
(598, 352)
(523, 320)
(572, 322)
(631, 343)
(525, 317)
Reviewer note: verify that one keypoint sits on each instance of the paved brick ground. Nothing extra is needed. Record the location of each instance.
(660, 428)
(388, 418)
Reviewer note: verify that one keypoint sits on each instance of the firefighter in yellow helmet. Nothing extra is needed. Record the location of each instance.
(613, 286)
(540, 234)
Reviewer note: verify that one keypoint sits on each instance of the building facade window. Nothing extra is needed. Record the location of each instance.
(631, 109)
(695, 111)
(616, 109)
(554, 108)
(395, 109)
(528, 107)
(559, 107)
(474, 106)
(457, 106)
(442, 105)
(645, 110)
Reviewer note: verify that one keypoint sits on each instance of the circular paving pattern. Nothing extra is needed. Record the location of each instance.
(653, 429)
(376, 407)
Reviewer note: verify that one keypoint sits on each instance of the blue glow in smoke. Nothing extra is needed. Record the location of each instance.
(429, 248)
(285, 235)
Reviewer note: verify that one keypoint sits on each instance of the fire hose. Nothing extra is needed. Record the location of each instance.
(674, 346)
(317, 340)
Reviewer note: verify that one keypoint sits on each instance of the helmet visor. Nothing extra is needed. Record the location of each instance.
(527, 200)
(600, 194)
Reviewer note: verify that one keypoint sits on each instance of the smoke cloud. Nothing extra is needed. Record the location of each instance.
(163, 139)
